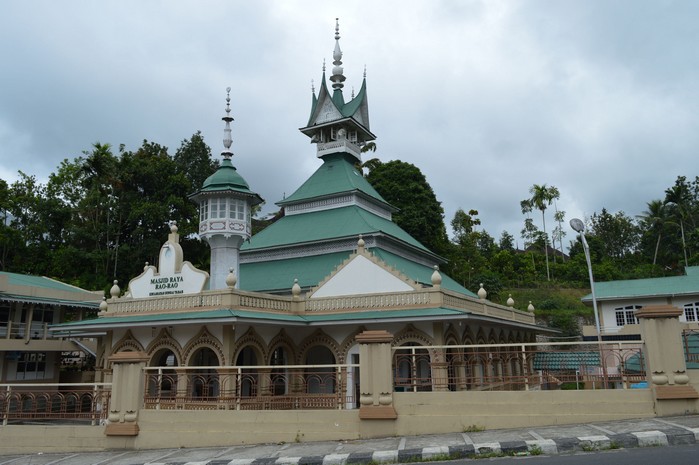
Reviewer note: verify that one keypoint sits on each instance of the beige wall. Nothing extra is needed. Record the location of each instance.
(31, 439)
(204, 428)
(440, 412)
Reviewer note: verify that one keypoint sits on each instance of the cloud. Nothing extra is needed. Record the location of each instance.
(486, 97)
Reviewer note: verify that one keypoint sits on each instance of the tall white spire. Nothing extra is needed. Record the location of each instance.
(227, 138)
(337, 77)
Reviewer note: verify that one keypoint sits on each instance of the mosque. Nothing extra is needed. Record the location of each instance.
(299, 292)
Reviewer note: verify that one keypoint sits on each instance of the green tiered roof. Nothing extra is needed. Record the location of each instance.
(336, 223)
(336, 175)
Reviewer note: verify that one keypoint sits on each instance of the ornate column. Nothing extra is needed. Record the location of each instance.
(375, 380)
(127, 393)
(665, 361)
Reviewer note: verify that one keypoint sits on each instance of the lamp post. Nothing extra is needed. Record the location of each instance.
(579, 227)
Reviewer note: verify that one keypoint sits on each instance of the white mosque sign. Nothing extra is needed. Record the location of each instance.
(173, 275)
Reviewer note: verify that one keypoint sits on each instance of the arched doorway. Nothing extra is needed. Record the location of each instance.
(412, 371)
(279, 377)
(204, 382)
(320, 380)
(162, 383)
(248, 379)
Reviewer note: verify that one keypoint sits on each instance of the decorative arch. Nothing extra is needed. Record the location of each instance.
(128, 343)
(502, 339)
(467, 336)
(451, 336)
(203, 339)
(492, 337)
(480, 336)
(282, 339)
(164, 340)
(253, 340)
(349, 342)
(411, 334)
(316, 339)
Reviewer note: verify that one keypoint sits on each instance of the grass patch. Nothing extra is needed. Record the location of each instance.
(473, 429)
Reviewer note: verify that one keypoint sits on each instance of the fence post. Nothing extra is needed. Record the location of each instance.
(127, 393)
(667, 369)
(375, 380)
(6, 413)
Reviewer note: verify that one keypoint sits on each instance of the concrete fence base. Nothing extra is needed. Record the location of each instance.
(418, 413)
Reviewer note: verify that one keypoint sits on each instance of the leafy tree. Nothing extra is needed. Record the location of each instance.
(193, 159)
(507, 241)
(420, 213)
(618, 233)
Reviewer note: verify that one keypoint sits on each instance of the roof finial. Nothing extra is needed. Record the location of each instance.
(313, 86)
(337, 77)
(364, 71)
(227, 139)
(323, 65)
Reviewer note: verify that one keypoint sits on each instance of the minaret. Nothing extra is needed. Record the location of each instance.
(225, 203)
(336, 126)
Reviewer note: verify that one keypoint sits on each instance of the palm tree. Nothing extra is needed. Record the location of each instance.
(678, 197)
(655, 218)
(541, 197)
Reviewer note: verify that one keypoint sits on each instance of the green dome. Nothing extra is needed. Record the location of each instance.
(226, 178)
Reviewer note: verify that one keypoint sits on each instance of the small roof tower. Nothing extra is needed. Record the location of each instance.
(225, 203)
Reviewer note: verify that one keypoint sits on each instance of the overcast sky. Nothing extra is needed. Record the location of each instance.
(598, 98)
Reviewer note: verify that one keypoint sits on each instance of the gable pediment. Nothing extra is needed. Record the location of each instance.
(362, 273)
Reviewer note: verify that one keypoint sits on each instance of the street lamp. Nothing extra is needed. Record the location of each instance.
(579, 227)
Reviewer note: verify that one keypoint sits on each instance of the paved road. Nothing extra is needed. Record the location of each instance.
(678, 455)
(643, 434)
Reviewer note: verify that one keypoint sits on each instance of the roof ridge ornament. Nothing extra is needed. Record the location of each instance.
(227, 138)
(337, 77)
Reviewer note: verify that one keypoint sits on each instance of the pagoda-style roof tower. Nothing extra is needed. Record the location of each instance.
(325, 216)
(336, 126)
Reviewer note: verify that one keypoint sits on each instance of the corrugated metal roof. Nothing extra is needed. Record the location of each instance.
(650, 287)
(565, 360)
(48, 300)
(26, 287)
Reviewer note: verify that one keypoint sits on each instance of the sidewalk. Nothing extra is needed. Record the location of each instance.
(549, 440)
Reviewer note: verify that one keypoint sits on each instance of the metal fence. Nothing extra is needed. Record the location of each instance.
(21, 403)
(515, 367)
(268, 387)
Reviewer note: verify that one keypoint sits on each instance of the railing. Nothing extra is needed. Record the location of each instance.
(368, 302)
(14, 330)
(516, 367)
(690, 342)
(39, 402)
(268, 387)
(484, 307)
